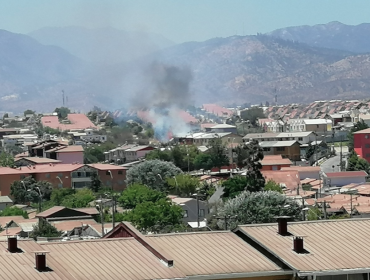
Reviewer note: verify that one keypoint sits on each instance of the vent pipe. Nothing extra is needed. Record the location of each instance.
(12, 244)
(283, 225)
(298, 245)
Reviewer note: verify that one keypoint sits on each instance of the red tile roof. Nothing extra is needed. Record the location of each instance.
(217, 110)
(78, 122)
(289, 178)
(364, 131)
(41, 168)
(101, 166)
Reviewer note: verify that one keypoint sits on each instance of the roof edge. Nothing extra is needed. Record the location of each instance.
(241, 275)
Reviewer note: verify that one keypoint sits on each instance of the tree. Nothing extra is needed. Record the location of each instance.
(28, 190)
(355, 163)
(154, 216)
(6, 115)
(14, 211)
(95, 153)
(62, 112)
(203, 161)
(80, 199)
(6, 160)
(253, 166)
(271, 185)
(164, 155)
(44, 229)
(136, 194)
(234, 186)
(252, 115)
(360, 125)
(314, 214)
(58, 195)
(310, 151)
(28, 112)
(183, 185)
(241, 155)
(96, 183)
(258, 207)
(218, 153)
(152, 173)
(307, 187)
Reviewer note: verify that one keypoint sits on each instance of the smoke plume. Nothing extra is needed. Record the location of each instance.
(166, 93)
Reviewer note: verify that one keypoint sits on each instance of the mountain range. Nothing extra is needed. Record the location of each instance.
(296, 64)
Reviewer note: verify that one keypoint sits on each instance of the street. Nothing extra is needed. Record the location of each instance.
(327, 166)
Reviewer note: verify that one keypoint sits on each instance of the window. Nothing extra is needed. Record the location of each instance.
(300, 138)
(266, 149)
(367, 145)
(280, 149)
(107, 173)
(120, 172)
(367, 136)
(47, 175)
(201, 212)
(185, 213)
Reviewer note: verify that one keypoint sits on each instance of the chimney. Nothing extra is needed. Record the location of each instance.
(298, 245)
(12, 244)
(283, 225)
(40, 258)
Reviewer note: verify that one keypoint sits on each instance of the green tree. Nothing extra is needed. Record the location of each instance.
(164, 155)
(62, 112)
(237, 184)
(95, 153)
(6, 160)
(314, 214)
(218, 153)
(271, 185)
(136, 194)
(256, 181)
(183, 185)
(6, 115)
(152, 173)
(356, 163)
(28, 190)
(96, 183)
(58, 195)
(306, 187)
(252, 115)
(357, 127)
(154, 216)
(80, 199)
(203, 161)
(310, 151)
(44, 229)
(257, 208)
(14, 211)
(28, 112)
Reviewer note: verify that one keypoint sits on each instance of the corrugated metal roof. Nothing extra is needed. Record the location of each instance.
(123, 258)
(332, 245)
(346, 174)
(210, 253)
(268, 144)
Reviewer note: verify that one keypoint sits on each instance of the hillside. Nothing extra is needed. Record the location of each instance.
(333, 35)
(102, 45)
(222, 70)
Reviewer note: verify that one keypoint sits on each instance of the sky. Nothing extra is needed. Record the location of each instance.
(180, 21)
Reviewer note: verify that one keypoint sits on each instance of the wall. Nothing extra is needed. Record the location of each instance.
(51, 177)
(362, 145)
(191, 207)
(339, 182)
(7, 180)
(118, 181)
(278, 277)
(274, 167)
(71, 157)
(293, 152)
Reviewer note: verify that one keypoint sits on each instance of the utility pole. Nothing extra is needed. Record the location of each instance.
(101, 216)
(341, 155)
(113, 210)
(324, 209)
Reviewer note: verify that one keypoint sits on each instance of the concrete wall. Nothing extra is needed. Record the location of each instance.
(191, 208)
(339, 182)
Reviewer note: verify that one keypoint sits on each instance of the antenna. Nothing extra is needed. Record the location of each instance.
(66, 100)
(63, 96)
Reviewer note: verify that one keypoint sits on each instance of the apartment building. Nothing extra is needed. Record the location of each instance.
(127, 153)
(304, 137)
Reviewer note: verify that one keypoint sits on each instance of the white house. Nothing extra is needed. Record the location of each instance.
(304, 137)
(340, 179)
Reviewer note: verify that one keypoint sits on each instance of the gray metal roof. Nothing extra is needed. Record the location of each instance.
(270, 144)
(5, 199)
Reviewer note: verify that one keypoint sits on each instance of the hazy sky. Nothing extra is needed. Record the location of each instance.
(185, 20)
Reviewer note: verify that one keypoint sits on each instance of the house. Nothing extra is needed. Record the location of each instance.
(136, 152)
(274, 162)
(340, 179)
(316, 249)
(204, 139)
(5, 201)
(67, 154)
(274, 126)
(65, 175)
(304, 172)
(61, 213)
(361, 143)
(304, 137)
(320, 126)
(287, 149)
(88, 136)
(287, 179)
(190, 208)
(74, 122)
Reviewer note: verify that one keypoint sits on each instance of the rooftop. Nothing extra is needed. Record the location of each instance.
(303, 168)
(271, 144)
(332, 245)
(78, 122)
(275, 160)
(345, 174)
(38, 160)
(212, 253)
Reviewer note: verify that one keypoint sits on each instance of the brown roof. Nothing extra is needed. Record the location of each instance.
(50, 211)
(71, 224)
(7, 219)
(210, 253)
(345, 174)
(121, 258)
(70, 149)
(332, 245)
(288, 177)
(303, 168)
(101, 166)
(267, 160)
(38, 160)
(88, 210)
